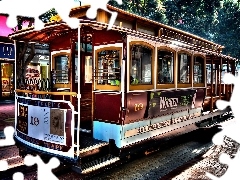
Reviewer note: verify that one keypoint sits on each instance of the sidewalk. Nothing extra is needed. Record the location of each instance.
(7, 113)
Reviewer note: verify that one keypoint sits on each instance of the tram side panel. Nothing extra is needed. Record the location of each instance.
(147, 114)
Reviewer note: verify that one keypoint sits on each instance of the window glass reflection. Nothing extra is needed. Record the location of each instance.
(198, 70)
(165, 67)
(183, 68)
(141, 65)
(61, 68)
(108, 67)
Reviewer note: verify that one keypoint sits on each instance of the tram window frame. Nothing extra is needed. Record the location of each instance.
(189, 70)
(66, 70)
(198, 72)
(57, 84)
(85, 47)
(114, 84)
(209, 75)
(167, 54)
(134, 84)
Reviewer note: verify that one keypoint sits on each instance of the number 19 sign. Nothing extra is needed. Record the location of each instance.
(43, 121)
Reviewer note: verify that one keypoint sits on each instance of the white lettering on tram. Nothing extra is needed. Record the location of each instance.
(168, 102)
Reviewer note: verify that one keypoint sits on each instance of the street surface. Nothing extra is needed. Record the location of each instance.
(7, 113)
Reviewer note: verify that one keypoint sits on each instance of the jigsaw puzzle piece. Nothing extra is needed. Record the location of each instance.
(233, 167)
(30, 8)
(229, 78)
(3, 165)
(95, 5)
(231, 131)
(8, 141)
(63, 8)
(18, 176)
(222, 104)
(44, 170)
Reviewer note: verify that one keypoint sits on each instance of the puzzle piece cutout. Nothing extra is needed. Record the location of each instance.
(232, 171)
(95, 5)
(231, 131)
(235, 98)
(44, 170)
(8, 141)
(63, 7)
(30, 8)
(3, 165)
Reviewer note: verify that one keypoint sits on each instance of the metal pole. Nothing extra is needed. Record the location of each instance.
(211, 108)
(220, 79)
(79, 93)
(155, 67)
(15, 80)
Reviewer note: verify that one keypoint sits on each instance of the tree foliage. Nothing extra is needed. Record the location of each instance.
(215, 20)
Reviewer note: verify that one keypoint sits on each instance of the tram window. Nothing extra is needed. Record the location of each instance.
(88, 69)
(61, 68)
(225, 69)
(183, 68)
(85, 47)
(165, 67)
(209, 75)
(108, 67)
(198, 70)
(141, 65)
(76, 68)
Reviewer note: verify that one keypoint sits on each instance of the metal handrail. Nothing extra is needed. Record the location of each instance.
(46, 92)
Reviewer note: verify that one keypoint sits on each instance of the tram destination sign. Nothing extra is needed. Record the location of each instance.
(168, 102)
(44, 122)
(143, 105)
(7, 51)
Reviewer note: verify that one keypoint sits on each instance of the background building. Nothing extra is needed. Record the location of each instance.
(7, 57)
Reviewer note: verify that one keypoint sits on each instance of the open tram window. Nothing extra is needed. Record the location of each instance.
(141, 65)
(209, 74)
(88, 69)
(198, 70)
(183, 67)
(165, 67)
(84, 47)
(108, 67)
(61, 68)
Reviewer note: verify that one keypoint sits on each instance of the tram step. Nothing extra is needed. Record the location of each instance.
(91, 149)
(90, 146)
(98, 163)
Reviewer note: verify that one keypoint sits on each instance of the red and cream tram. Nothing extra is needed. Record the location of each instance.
(117, 88)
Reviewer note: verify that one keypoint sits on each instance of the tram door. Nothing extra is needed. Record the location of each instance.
(86, 110)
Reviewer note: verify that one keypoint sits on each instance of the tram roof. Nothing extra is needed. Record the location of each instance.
(53, 30)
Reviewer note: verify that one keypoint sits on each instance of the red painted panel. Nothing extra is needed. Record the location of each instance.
(106, 37)
(61, 43)
(136, 106)
(108, 108)
(200, 96)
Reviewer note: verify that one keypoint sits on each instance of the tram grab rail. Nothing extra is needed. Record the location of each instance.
(46, 92)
